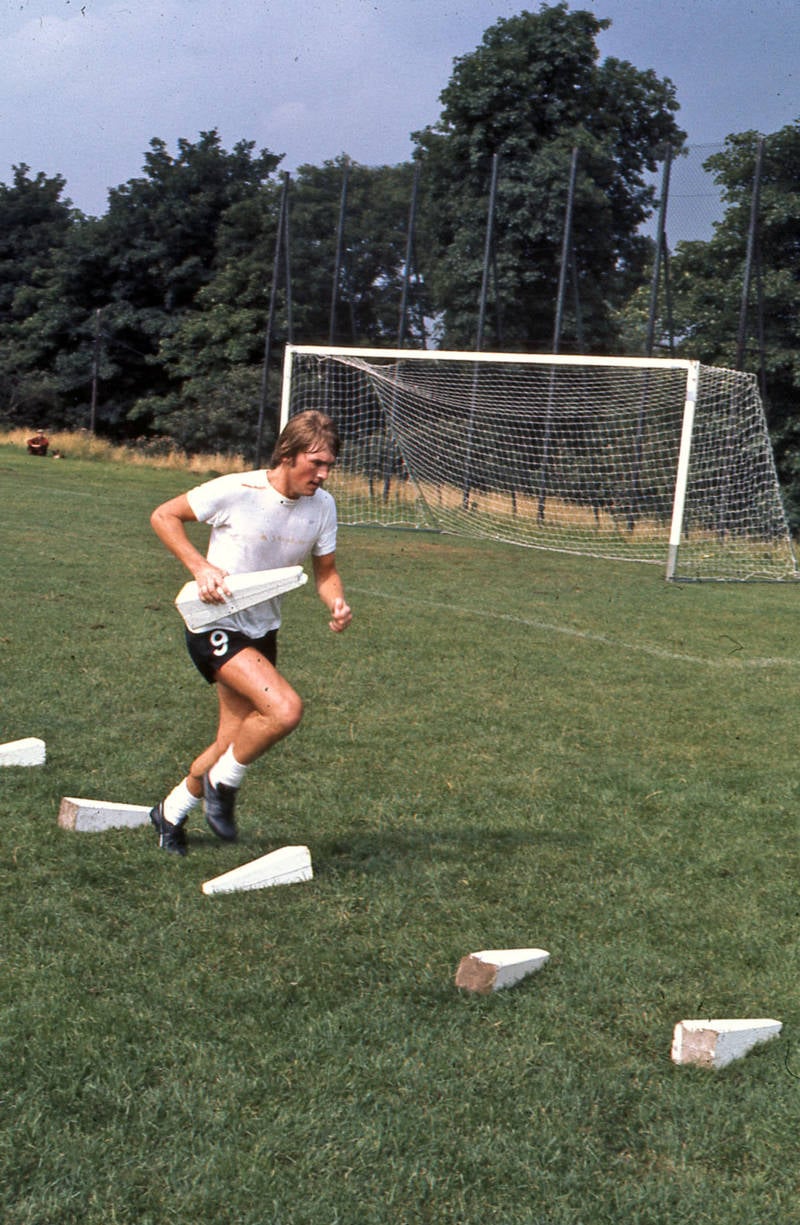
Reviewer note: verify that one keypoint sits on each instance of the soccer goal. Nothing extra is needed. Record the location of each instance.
(652, 460)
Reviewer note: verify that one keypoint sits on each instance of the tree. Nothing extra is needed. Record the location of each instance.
(161, 243)
(166, 296)
(375, 232)
(215, 354)
(708, 283)
(138, 272)
(531, 92)
(35, 224)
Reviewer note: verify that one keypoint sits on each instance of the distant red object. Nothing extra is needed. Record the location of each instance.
(38, 444)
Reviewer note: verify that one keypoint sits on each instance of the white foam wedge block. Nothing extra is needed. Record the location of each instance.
(93, 816)
(492, 969)
(28, 752)
(249, 589)
(281, 867)
(713, 1044)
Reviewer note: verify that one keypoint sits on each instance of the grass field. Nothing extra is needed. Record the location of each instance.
(508, 748)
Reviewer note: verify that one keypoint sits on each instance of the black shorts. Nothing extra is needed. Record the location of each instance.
(213, 648)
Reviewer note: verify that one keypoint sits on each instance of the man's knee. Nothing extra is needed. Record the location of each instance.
(288, 713)
(270, 724)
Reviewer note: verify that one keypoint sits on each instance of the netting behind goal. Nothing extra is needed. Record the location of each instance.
(573, 454)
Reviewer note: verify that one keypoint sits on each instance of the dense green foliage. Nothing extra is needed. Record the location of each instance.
(36, 224)
(531, 93)
(709, 284)
(160, 306)
(151, 322)
(581, 758)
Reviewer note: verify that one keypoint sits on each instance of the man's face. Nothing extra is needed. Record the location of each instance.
(307, 471)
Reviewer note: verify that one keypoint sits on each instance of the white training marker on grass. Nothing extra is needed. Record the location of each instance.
(282, 867)
(492, 969)
(715, 1043)
(28, 752)
(94, 816)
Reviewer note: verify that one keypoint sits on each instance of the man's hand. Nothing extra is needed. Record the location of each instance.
(341, 616)
(211, 585)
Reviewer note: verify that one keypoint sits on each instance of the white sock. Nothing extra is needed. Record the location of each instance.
(227, 770)
(179, 803)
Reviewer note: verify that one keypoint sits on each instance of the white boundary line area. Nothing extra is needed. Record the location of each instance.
(729, 661)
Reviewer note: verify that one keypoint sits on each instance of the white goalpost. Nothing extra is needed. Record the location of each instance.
(659, 460)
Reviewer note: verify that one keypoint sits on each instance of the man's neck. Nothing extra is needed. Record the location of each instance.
(277, 479)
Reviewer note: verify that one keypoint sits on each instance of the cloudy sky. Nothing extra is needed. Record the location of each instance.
(86, 84)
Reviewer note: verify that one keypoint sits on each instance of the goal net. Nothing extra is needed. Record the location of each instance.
(650, 460)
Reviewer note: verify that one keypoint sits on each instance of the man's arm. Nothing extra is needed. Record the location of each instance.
(331, 591)
(168, 522)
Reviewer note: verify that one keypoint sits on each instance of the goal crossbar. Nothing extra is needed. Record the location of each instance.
(659, 460)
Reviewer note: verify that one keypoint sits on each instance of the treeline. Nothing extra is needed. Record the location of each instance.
(150, 322)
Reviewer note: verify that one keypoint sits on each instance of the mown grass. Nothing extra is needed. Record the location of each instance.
(509, 748)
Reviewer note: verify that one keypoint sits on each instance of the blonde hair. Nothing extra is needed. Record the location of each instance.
(307, 431)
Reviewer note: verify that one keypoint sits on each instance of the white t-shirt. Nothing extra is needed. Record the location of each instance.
(253, 527)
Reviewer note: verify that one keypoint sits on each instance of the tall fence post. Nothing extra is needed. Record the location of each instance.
(660, 253)
(752, 244)
(287, 268)
(487, 253)
(409, 256)
(566, 252)
(390, 445)
(661, 256)
(95, 372)
(487, 261)
(337, 267)
(276, 266)
(566, 261)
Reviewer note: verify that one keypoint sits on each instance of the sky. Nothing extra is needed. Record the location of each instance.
(87, 84)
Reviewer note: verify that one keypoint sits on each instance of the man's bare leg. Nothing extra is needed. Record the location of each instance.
(257, 708)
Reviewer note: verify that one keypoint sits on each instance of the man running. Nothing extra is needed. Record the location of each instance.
(259, 521)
